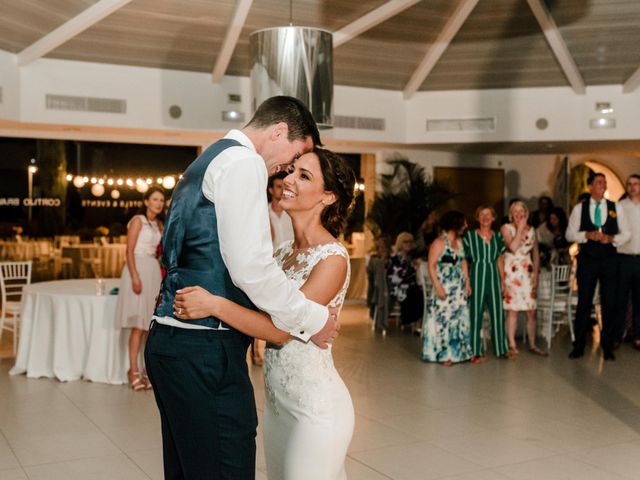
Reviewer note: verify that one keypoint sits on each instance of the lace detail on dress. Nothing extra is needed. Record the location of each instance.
(302, 371)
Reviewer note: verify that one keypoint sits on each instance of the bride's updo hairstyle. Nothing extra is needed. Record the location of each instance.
(340, 180)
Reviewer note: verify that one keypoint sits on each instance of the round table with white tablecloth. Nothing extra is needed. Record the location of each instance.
(358, 284)
(24, 250)
(112, 257)
(68, 332)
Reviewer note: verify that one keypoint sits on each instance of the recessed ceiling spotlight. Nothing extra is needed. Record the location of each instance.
(602, 122)
(232, 116)
(604, 107)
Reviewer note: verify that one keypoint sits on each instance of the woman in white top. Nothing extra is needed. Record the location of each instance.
(309, 416)
(140, 280)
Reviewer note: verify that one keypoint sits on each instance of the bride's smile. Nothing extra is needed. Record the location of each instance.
(304, 187)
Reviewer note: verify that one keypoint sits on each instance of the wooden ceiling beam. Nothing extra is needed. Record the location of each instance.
(370, 20)
(231, 39)
(632, 82)
(557, 44)
(68, 30)
(451, 28)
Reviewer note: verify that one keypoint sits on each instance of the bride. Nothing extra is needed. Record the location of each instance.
(309, 416)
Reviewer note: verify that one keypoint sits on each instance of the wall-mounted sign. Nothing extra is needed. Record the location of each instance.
(30, 202)
(112, 203)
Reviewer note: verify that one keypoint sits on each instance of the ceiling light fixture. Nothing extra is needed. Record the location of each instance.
(602, 122)
(604, 107)
(294, 61)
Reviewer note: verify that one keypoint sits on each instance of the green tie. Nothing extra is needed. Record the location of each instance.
(597, 216)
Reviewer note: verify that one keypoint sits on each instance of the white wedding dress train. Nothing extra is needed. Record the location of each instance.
(309, 415)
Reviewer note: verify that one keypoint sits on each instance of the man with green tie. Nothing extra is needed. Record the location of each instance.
(599, 228)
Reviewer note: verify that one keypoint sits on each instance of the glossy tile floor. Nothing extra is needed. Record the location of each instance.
(535, 418)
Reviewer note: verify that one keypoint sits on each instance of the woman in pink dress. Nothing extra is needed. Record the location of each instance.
(140, 280)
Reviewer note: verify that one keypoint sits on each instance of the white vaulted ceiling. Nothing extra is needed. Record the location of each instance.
(397, 45)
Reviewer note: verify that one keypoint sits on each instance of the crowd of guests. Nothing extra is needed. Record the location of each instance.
(443, 282)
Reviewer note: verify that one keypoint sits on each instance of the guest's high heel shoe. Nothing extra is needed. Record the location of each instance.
(136, 382)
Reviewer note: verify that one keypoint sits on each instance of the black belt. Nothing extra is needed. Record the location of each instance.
(635, 255)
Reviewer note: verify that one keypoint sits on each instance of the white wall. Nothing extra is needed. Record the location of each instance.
(368, 102)
(10, 83)
(150, 92)
(516, 112)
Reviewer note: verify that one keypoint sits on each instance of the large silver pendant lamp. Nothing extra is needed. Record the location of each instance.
(294, 61)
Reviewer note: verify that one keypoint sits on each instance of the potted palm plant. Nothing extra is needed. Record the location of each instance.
(407, 197)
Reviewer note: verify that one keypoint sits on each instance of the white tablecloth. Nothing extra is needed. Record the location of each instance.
(25, 250)
(112, 256)
(358, 284)
(68, 333)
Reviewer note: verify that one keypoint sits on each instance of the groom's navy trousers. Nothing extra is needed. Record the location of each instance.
(201, 377)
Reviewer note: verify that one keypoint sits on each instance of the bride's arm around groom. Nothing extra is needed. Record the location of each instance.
(325, 281)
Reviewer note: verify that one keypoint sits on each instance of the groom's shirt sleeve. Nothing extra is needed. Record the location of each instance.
(236, 182)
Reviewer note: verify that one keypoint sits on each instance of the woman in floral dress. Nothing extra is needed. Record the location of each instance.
(522, 263)
(447, 326)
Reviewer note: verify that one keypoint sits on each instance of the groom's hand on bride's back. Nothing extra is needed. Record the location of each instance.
(329, 332)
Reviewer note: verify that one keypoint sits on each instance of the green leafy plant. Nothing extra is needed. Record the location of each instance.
(408, 196)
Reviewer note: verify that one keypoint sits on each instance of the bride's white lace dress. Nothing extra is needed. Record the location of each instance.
(309, 415)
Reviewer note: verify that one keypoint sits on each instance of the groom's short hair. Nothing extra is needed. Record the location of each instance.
(290, 111)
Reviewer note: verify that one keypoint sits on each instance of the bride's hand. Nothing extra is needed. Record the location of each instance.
(192, 303)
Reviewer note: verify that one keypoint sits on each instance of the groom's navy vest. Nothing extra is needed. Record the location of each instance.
(190, 244)
(609, 227)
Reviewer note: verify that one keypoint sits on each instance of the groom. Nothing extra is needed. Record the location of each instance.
(217, 236)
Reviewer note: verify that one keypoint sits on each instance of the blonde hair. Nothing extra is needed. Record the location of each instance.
(515, 204)
(401, 238)
(485, 207)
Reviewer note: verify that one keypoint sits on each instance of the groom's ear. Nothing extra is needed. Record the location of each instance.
(280, 129)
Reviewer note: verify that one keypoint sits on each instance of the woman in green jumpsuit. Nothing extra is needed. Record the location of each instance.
(484, 249)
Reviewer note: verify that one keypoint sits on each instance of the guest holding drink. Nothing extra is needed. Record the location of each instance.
(140, 280)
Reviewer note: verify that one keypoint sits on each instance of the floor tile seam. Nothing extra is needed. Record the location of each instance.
(109, 437)
(426, 444)
(372, 417)
(138, 466)
(369, 467)
(523, 462)
(535, 459)
(449, 476)
(68, 460)
(396, 430)
(595, 430)
(479, 429)
(113, 442)
(390, 445)
(616, 443)
(386, 447)
(551, 454)
(573, 457)
(11, 449)
(453, 409)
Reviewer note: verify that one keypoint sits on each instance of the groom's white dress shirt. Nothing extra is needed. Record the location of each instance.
(235, 182)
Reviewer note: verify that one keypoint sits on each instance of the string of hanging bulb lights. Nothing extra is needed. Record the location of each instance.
(167, 182)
